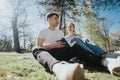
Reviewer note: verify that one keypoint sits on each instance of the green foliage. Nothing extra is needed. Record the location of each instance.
(94, 32)
(69, 10)
(106, 4)
(73, 10)
(92, 26)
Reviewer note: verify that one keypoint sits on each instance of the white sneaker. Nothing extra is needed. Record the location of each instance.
(67, 71)
(114, 66)
(81, 66)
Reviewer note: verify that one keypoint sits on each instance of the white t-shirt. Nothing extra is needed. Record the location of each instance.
(50, 36)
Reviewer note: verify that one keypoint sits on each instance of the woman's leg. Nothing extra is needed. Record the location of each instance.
(85, 53)
(94, 47)
(112, 55)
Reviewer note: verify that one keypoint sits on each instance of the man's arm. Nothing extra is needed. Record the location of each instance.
(58, 44)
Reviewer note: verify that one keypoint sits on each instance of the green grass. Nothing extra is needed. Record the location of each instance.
(30, 69)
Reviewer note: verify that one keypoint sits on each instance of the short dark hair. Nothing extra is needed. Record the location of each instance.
(51, 14)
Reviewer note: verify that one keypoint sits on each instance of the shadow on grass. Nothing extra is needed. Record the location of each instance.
(89, 67)
(95, 68)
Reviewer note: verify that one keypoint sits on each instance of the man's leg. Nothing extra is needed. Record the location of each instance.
(85, 53)
(44, 58)
(69, 71)
(111, 60)
(62, 54)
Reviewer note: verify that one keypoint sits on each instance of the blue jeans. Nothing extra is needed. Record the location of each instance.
(85, 53)
(94, 47)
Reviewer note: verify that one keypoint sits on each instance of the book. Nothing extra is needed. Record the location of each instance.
(68, 40)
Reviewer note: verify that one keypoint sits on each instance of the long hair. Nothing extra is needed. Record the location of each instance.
(72, 25)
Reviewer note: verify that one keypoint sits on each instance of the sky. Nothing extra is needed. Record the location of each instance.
(113, 18)
(38, 23)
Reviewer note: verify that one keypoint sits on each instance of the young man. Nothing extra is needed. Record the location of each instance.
(50, 52)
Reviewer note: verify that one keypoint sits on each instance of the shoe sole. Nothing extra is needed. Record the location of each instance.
(75, 72)
(116, 71)
(78, 73)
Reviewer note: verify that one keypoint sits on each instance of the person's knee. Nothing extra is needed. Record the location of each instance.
(37, 51)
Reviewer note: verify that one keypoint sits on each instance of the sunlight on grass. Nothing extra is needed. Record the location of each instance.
(21, 69)
(29, 69)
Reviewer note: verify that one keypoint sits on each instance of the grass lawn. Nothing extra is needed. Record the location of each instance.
(13, 67)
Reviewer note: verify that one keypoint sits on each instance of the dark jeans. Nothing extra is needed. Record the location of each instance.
(49, 57)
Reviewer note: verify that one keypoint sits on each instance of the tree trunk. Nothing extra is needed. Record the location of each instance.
(109, 43)
(61, 16)
(64, 25)
(15, 33)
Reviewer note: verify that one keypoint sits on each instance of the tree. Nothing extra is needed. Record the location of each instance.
(73, 10)
(115, 40)
(91, 25)
(17, 11)
(105, 4)
(5, 42)
(98, 33)
(66, 8)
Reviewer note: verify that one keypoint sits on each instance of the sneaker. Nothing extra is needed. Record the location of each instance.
(114, 66)
(68, 71)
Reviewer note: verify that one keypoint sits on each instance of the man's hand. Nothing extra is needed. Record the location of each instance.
(59, 44)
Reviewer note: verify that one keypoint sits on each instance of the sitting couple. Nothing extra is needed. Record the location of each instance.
(53, 52)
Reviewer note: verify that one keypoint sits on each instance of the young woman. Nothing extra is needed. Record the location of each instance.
(91, 53)
(94, 47)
